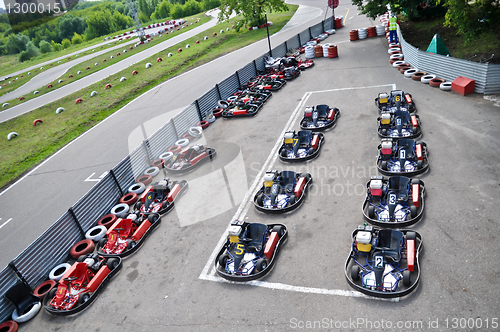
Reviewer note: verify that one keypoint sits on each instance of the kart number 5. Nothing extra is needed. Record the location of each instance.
(240, 249)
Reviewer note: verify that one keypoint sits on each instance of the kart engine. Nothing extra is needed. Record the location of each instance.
(93, 262)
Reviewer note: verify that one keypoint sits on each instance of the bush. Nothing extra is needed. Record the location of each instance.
(176, 11)
(77, 39)
(45, 47)
(66, 43)
(23, 56)
(56, 46)
(32, 50)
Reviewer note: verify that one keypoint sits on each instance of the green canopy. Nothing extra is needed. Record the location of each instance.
(437, 46)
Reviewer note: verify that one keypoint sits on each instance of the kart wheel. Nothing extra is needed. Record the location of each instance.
(413, 211)
(283, 153)
(355, 272)
(292, 200)
(279, 229)
(384, 132)
(384, 165)
(154, 217)
(406, 278)
(102, 242)
(260, 200)
(415, 129)
(112, 263)
(261, 265)
(84, 297)
(411, 236)
(138, 205)
(420, 164)
(223, 260)
(371, 212)
(306, 175)
(52, 293)
(131, 244)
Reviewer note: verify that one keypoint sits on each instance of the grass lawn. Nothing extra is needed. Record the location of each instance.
(34, 144)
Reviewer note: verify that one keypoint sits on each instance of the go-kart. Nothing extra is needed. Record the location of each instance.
(283, 68)
(159, 198)
(244, 103)
(301, 146)
(282, 191)
(403, 156)
(305, 64)
(399, 124)
(250, 250)
(81, 284)
(384, 262)
(189, 158)
(319, 118)
(264, 83)
(397, 98)
(394, 202)
(127, 235)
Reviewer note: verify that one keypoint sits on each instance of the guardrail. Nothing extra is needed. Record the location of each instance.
(487, 76)
(33, 265)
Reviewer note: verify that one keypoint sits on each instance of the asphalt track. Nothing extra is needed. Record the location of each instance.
(169, 284)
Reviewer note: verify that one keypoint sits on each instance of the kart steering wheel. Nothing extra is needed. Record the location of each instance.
(70, 278)
(245, 239)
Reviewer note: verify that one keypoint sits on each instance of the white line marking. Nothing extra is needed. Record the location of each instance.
(5, 223)
(244, 206)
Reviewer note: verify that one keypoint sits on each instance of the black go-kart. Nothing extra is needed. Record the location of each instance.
(394, 202)
(399, 124)
(159, 198)
(301, 146)
(319, 118)
(250, 250)
(264, 83)
(402, 157)
(384, 262)
(189, 158)
(388, 102)
(244, 103)
(282, 191)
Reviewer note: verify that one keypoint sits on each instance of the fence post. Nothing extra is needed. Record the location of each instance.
(286, 47)
(310, 34)
(19, 274)
(82, 232)
(116, 181)
(255, 66)
(238, 78)
(175, 130)
(218, 91)
(145, 145)
(197, 104)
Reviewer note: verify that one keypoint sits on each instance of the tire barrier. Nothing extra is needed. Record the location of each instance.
(146, 179)
(148, 65)
(93, 93)
(27, 315)
(353, 35)
(417, 76)
(123, 79)
(108, 86)
(187, 136)
(397, 55)
(82, 247)
(70, 76)
(36, 92)
(166, 156)
(59, 110)
(391, 61)
(120, 210)
(174, 149)
(5, 104)
(217, 112)
(137, 188)
(214, 34)
(203, 124)
(371, 32)
(153, 171)
(135, 72)
(79, 100)
(436, 82)
(160, 163)
(380, 29)
(103, 60)
(58, 271)
(87, 68)
(159, 60)
(95, 64)
(42, 289)
(129, 198)
(37, 121)
(362, 33)
(338, 22)
(182, 142)
(12, 135)
(9, 326)
(197, 42)
(96, 233)
(309, 52)
(332, 51)
(427, 78)
(78, 72)
(410, 72)
(402, 69)
(188, 46)
(205, 38)
(394, 49)
(179, 50)
(445, 86)
(169, 55)
(395, 64)
(196, 132)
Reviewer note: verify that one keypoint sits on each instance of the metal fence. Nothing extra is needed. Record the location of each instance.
(52, 247)
(487, 76)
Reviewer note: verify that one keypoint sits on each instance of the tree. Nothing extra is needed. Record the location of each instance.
(162, 10)
(191, 7)
(144, 8)
(69, 24)
(32, 50)
(45, 47)
(66, 43)
(77, 39)
(252, 10)
(17, 43)
(120, 21)
(210, 4)
(176, 11)
(56, 46)
(98, 24)
(23, 56)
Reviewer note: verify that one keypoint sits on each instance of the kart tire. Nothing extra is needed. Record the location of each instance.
(129, 198)
(9, 326)
(27, 314)
(145, 179)
(292, 200)
(223, 260)
(279, 229)
(414, 130)
(411, 235)
(384, 165)
(112, 263)
(284, 153)
(131, 244)
(96, 233)
(58, 271)
(82, 247)
(261, 265)
(137, 188)
(168, 155)
(355, 272)
(153, 217)
(120, 210)
(420, 164)
(406, 278)
(108, 220)
(384, 132)
(196, 131)
(43, 289)
(153, 171)
(84, 297)
(413, 211)
(260, 200)
(102, 242)
(138, 205)
(371, 212)
(445, 86)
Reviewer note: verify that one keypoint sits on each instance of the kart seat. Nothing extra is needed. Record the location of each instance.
(400, 185)
(287, 180)
(322, 110)
(408, 145)
(395, 93)
(21, 297)
(305, 137)
(404, 115)
(256, 232)
(389, 243)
